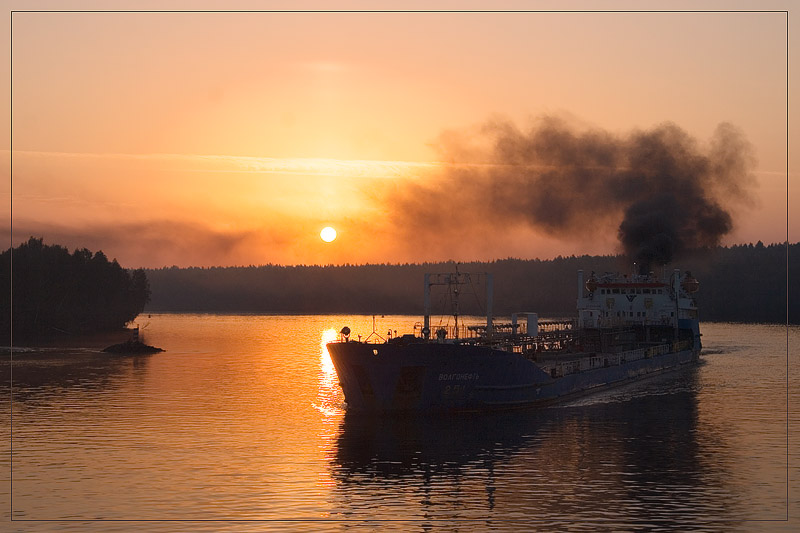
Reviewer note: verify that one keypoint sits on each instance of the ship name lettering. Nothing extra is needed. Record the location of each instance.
(459, 377)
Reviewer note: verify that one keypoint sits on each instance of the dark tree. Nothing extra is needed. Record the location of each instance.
(50, 291)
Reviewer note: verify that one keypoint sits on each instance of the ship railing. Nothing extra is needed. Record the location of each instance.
(679, 346)
(521, 328)
(461, 332)
(616, 321)
(501, 331)
(602, 360)
(556, 325)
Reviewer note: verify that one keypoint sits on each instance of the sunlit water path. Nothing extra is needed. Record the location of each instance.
(240, 425)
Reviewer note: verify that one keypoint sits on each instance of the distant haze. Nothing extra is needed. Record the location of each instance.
(233, 138)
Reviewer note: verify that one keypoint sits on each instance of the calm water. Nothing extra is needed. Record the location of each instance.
(240, 425)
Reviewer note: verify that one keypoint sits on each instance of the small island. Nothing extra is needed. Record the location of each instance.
(132, 347)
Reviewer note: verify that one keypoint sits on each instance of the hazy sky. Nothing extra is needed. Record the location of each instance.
(233, 138)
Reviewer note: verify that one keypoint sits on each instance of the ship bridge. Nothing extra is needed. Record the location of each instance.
(613, 300)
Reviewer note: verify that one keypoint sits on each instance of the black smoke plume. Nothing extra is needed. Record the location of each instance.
(663, 193)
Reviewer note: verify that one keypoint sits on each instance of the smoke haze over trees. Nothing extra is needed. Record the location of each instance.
(58, 292)
(660, 190)
(745, 283)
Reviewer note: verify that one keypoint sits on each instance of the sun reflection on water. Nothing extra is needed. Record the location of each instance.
(329, 397)
(330, 404)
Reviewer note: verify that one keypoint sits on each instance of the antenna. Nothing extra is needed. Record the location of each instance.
(374, 332)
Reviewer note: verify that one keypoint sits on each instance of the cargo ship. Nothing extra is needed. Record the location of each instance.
(628, 326)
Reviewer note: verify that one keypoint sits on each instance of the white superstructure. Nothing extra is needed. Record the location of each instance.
(618, 300)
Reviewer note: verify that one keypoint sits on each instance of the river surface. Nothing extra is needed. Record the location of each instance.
(240, 426)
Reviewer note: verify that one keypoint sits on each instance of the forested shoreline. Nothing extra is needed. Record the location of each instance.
(55, 292)
(58, 292)
(741, 283)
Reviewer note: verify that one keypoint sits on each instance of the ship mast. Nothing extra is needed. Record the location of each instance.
(426, 326)
(676, 287)
(453, 282)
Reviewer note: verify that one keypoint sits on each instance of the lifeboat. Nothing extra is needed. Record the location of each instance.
(690, 284)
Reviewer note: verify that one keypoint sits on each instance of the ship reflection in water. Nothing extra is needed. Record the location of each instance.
(629, 455)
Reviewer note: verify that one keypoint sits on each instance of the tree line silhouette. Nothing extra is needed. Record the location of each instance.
(53, 291)
(742, 283)
(82, 292)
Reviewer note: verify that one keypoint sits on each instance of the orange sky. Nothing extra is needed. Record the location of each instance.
(233, 138)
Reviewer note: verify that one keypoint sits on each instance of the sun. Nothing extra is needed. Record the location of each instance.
(327, 234)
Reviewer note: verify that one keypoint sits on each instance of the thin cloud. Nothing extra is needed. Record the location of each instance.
(310, 166)
(259, 165)
(159, 242)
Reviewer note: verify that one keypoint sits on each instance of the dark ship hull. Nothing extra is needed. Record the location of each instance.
(452, 377)
(497, 370)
